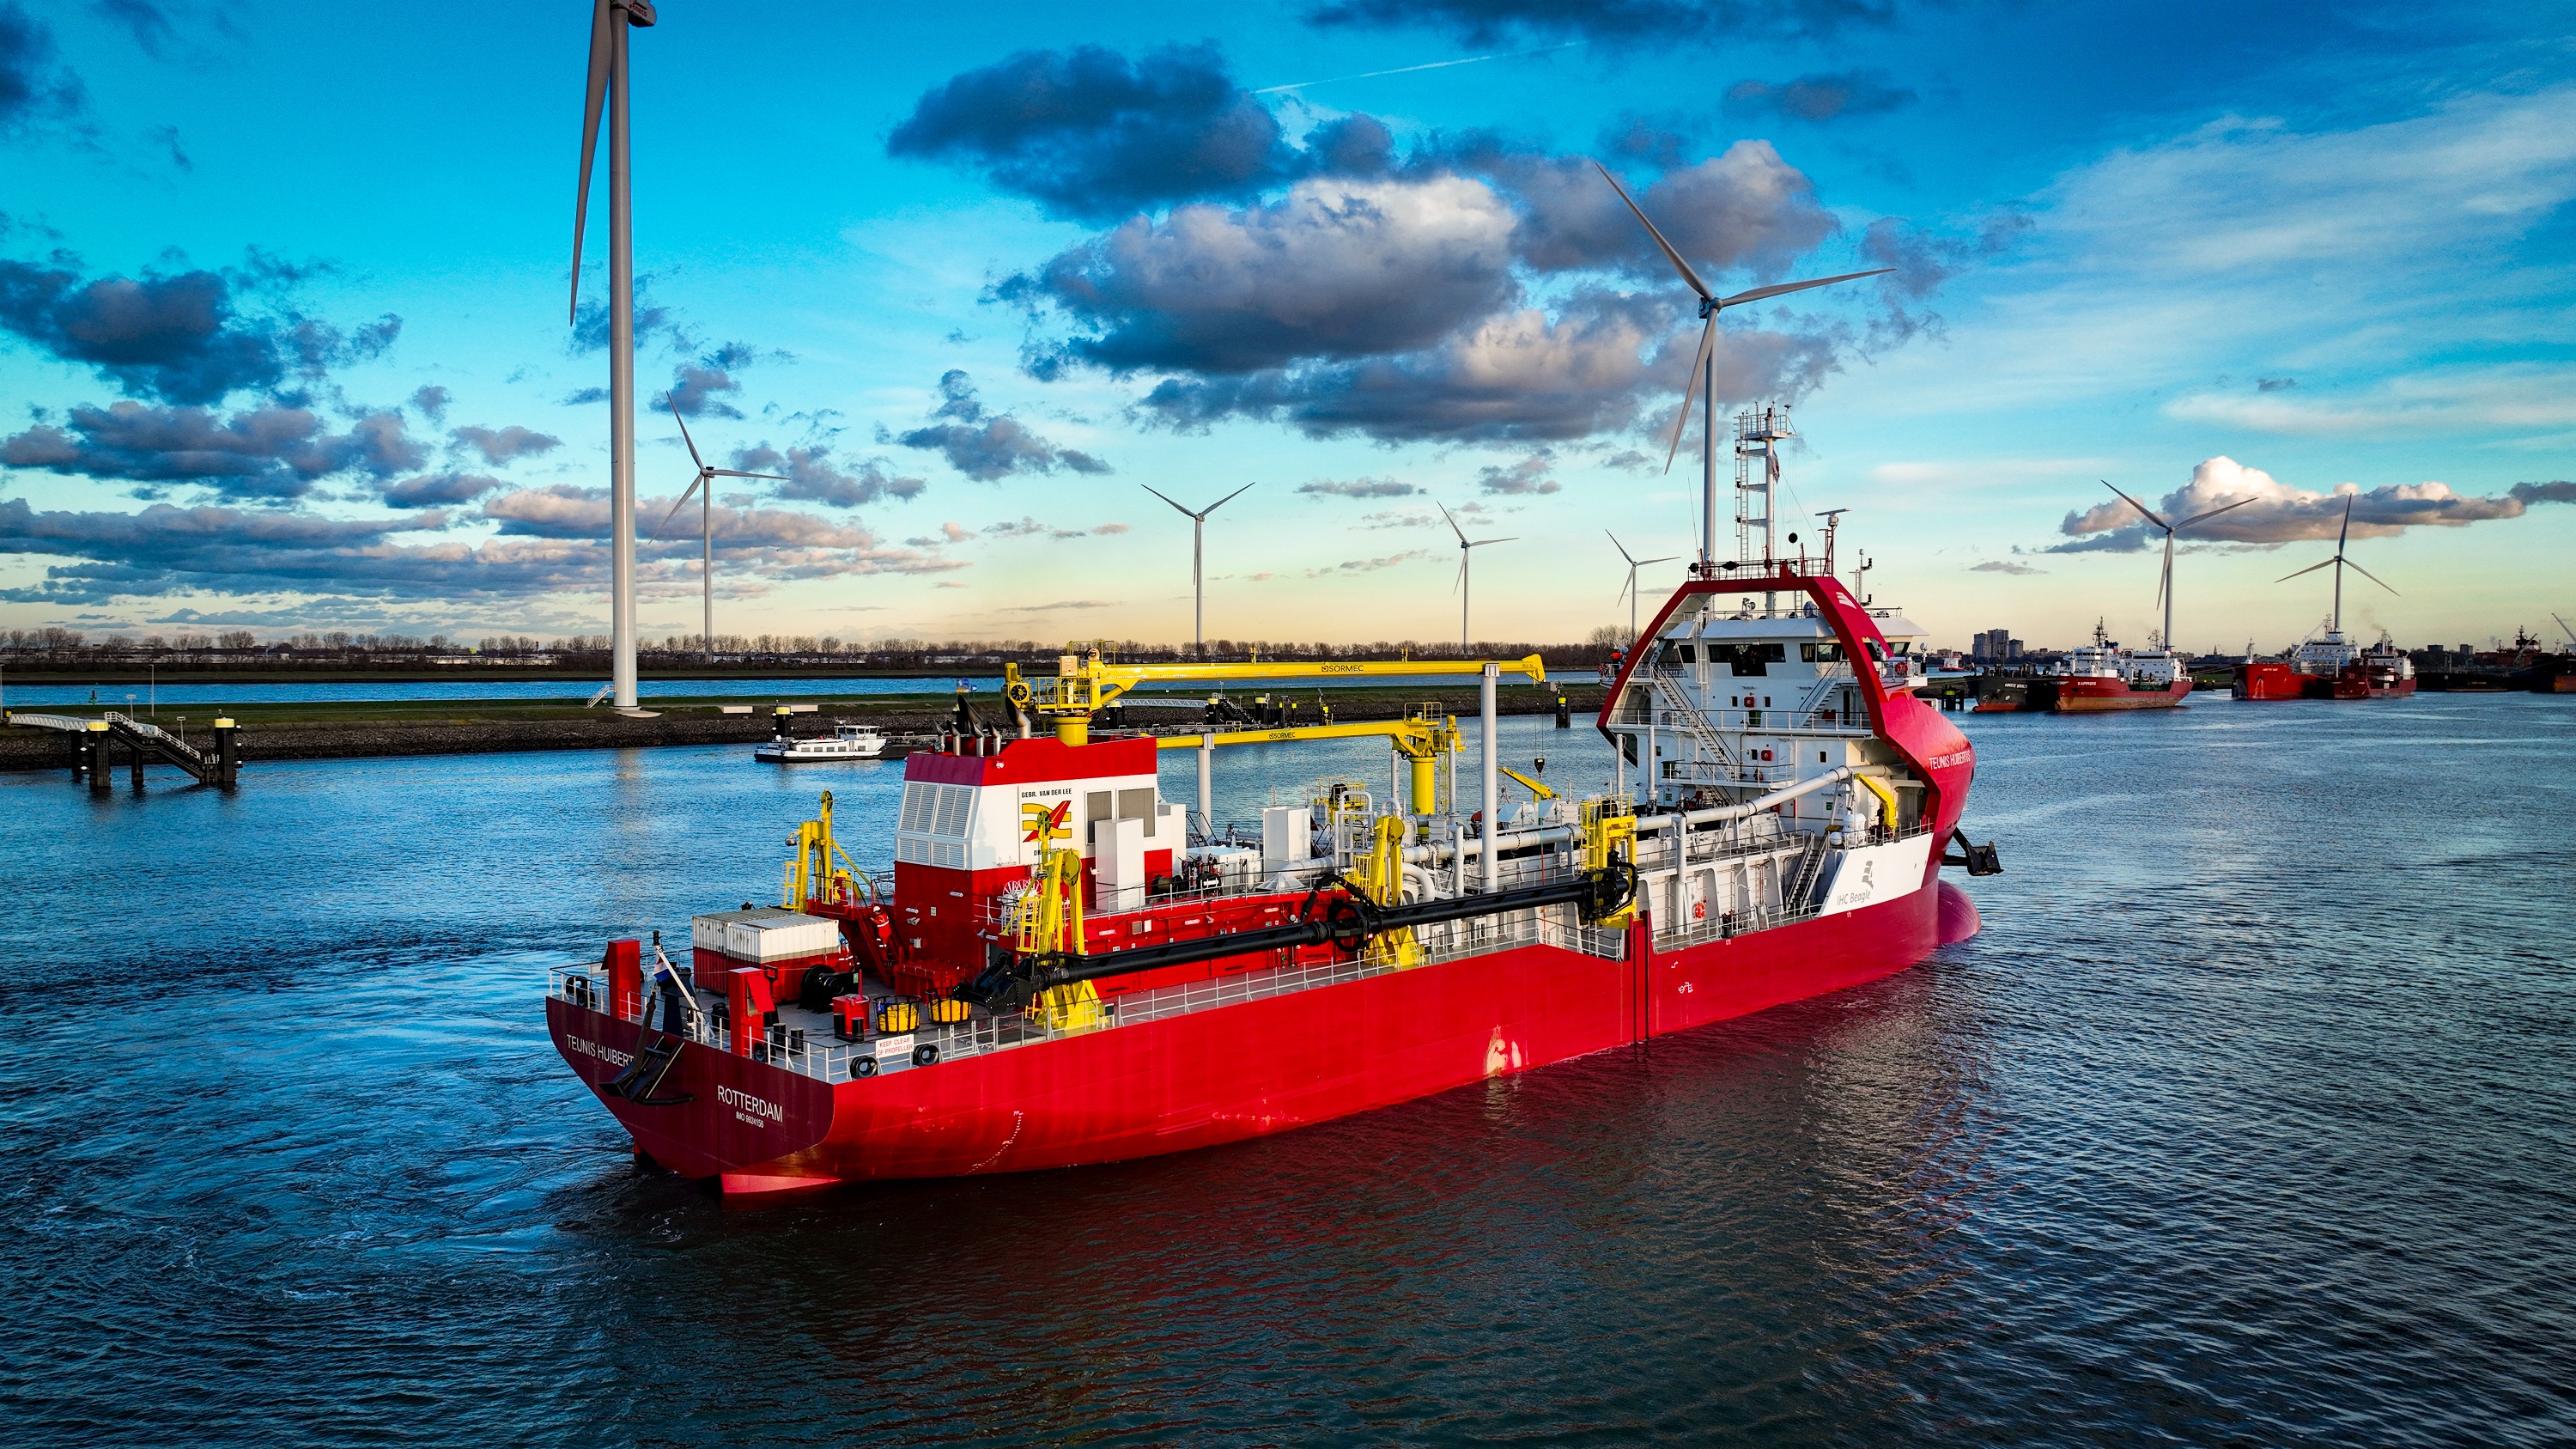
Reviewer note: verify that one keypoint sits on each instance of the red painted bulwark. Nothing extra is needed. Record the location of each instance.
(1233, 1072)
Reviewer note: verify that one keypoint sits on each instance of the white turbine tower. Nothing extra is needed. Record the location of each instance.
(609, 21)
(1704, 366)
(2339, 563)
(1465, 555)
(704, 485)
(1198, 555)
(1630, 589)
(2164, 584)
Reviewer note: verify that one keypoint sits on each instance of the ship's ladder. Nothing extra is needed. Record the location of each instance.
(1670, 700)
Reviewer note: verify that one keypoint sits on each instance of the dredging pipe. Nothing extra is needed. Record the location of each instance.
(1346, 921)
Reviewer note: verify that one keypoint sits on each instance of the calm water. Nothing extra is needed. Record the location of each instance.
(2247, 1120)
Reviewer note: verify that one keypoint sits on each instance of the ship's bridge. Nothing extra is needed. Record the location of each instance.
(1733, 699)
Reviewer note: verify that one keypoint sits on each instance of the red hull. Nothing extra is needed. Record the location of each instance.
(2085, 695)
(2274, 680)
(1240, 1071)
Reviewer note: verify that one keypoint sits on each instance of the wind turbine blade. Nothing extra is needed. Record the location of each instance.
(2347, 525)
(1667, 558)
(2164, 579)
(1623, 548)
(684, 434)
(1480, 543)
(1459, 582)
(2312, 568)
(2367, 574)
(676, 507)
(736, 473)
(1453, 524)
(1699, 364)
(2213, 513)
(1229, 498)
(1758, 293)
(2149, 512)
(1670, 255)
(601, 38)
(1185, 513)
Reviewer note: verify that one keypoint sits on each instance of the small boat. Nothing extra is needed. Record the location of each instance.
(845, 742)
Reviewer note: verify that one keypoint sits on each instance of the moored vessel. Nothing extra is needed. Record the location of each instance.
(2326, 665)
(2103, 676)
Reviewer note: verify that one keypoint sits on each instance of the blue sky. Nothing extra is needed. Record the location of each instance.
(283, 340)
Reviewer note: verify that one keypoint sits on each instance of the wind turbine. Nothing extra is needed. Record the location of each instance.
(608, 81)
(2164, 585)
(1704, 367)
(1630, 590)
(1464, 548)
(1198, 554)
(704, 485)
(2339, 563)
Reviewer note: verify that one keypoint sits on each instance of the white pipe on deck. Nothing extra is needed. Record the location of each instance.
(1493, 797)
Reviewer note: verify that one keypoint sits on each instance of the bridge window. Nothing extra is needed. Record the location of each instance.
(1685, 654)
(1829, 652)
(1749, 659)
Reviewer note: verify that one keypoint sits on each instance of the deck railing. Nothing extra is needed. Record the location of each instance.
(811, 1050)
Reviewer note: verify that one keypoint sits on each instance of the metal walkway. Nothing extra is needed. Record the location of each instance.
(142, 743)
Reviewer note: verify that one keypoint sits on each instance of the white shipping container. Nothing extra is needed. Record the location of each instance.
(781, 937)
(710, 931)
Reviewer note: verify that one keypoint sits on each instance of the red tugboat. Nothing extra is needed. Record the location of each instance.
(1070, 970)
(2326, 665)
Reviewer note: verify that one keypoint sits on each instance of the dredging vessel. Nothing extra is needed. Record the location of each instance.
(1071, 968)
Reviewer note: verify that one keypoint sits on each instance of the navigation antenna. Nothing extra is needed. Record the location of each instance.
(1833, 519)
(1757, 476)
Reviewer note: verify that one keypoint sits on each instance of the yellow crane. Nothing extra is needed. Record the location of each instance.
(1085, 684)
(1420, 737)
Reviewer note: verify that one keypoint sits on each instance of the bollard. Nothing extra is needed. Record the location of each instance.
(95, 756)
(1564, 719)
(227, 751)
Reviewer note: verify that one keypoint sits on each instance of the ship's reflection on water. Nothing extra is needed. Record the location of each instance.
(2200, 1141)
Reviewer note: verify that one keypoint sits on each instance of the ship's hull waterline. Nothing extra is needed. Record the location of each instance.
(1207, 1078)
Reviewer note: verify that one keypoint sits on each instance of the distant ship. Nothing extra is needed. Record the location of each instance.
(2094, 678)
(2326, 665)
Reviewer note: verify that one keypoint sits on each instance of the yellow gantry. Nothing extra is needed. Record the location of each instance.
(811, 873)
(1421, 737)
(1084, 683)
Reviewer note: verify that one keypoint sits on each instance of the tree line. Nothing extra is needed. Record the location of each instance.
(70, 648)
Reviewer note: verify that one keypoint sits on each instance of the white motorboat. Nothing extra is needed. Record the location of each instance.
(845, 742)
